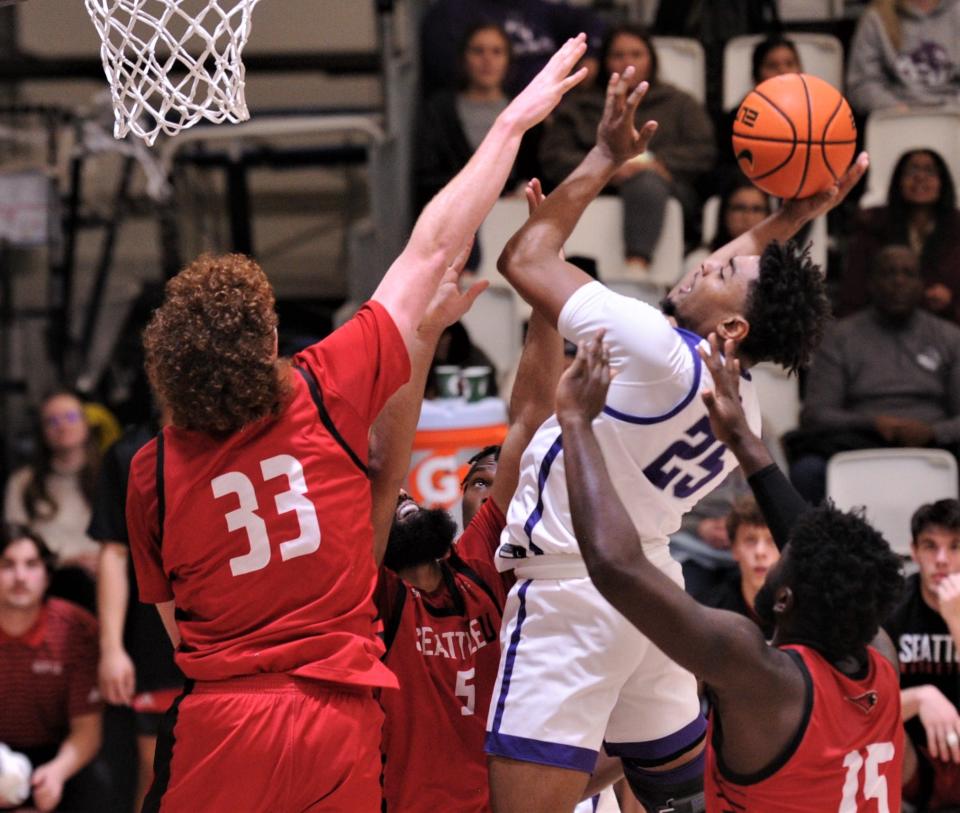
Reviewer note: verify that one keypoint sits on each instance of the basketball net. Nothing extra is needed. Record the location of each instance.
(173, 63)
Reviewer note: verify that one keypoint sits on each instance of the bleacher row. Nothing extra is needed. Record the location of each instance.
(599, 236)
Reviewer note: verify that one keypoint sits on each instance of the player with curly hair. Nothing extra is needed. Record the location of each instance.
(811, 723)
(250, 516)
(557, 703)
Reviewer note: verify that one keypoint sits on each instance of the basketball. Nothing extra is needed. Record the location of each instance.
(794, 135)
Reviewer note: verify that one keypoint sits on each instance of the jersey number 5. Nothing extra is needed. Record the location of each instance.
(874, 785)
(245, 518)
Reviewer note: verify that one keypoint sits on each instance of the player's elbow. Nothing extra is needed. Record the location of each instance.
(517, 255)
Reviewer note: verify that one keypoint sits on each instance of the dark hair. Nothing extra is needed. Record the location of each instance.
(944, 513)
(786, 307)
(474, 462)
(209, 347)
(11, 532)
(722, 236)
(634, 30)
(744, 511)
(471, 32)
(896, 223)
(764, 47)
(844, 577)
(38, 502)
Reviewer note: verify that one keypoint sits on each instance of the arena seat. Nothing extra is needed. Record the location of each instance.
(684, 64)
(891, 133)
(891, 484)
(809, 10)
(821, 55)
(598, 235)
(494, 327)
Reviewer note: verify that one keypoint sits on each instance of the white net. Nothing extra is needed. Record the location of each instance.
(173, 63)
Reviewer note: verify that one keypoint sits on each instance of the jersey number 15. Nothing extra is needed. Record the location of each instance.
(245, 517)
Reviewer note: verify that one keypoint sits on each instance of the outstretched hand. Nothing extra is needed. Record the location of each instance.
(546, 89)
(449, 303)
(582, 390)
(727, 418)
(807, 209)
(617, 134)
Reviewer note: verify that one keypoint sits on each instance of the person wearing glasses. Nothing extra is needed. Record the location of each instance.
(52, 495)
(921, 212)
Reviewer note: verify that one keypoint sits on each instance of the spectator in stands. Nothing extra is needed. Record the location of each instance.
(53, 494)
(680, 152)
(775, 56)
(742, 206)
(755, 552)
(50, 706)
(136, 667)
(905, 53)
(713, 25)
(454, 122)
(921, 212)
(537, 28)
(887, 376)
(925, 628)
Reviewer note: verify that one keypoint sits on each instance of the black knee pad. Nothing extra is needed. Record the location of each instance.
(679, 790)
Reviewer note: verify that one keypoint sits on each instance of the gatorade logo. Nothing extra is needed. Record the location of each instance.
(748, 116)
(436, 481)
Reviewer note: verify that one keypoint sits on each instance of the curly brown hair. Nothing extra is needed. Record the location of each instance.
(210, 346)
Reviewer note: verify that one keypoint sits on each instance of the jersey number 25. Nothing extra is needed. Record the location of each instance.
(245, 518)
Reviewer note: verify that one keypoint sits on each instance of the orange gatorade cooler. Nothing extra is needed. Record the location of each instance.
(449, 433)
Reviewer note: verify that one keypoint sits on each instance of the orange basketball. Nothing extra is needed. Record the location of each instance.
(794, 135)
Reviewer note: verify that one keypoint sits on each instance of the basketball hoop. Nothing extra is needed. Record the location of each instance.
(173, 63)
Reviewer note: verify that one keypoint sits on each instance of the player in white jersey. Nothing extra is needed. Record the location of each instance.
(574, 674)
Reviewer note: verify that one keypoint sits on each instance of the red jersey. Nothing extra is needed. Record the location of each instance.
(266, 544)
(48, 676)
(847, 757)
(444, 648)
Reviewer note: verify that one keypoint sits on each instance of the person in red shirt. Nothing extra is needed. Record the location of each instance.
(441, 602)
(811, 723)
(50, 708)
(265, 463)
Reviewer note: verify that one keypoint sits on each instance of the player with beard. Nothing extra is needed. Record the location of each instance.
(441, 603)
(829, 702)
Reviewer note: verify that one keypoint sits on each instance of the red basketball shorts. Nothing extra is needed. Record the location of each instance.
(268, 743)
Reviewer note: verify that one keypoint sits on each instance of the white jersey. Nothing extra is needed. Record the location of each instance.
(654, 432)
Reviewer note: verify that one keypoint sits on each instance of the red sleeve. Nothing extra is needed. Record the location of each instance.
(481, 538)
(365, 361)
(83, 697)
(152, 582)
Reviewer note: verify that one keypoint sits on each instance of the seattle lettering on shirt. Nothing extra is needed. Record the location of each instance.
(457, 644)
(927, 653)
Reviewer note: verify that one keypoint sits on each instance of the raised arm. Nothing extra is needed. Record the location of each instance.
(454, 215)
(531, 401)
(779, 501)
(724, 649)
(391, 436)
(530, 260)
(792, 216)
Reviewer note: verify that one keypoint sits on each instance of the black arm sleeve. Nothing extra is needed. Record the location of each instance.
(780, 502)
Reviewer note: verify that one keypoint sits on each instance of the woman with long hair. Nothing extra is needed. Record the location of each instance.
(682, 149)
(742, 206)
(53, 494)
(905, 53)
(921, 212)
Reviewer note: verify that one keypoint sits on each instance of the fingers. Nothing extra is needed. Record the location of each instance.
(853, 175)
(534, 194)
(569, 54)
(474, 291)
(636, 96)
(647, 132)
(611, 98)
(573, 80)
